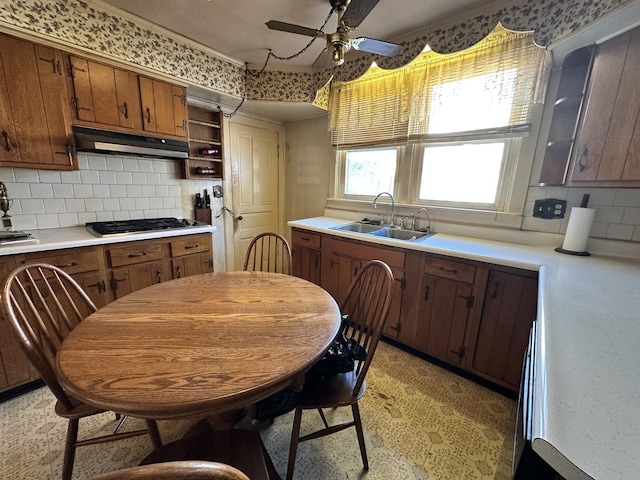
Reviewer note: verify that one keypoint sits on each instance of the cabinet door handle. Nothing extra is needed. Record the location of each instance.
(148, 110)
(7, 141)
(426, 293)
(178, 272)
(158, 276)
(582, 166)
(100, 285)
(126, 109)
(136, 255)
(496, 286)
(52, 61)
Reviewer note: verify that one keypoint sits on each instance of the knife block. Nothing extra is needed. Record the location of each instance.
(203, 215)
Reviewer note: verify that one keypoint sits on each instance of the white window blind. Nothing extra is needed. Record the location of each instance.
(483, 92)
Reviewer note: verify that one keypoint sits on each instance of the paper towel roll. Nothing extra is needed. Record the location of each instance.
(580, 220)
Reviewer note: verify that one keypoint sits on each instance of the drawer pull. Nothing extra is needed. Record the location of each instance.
(187, 247)
(135, 255)
(67, 265)
(306, 239)
(451, 271)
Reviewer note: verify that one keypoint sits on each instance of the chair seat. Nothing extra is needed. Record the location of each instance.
(79, 410)
(334, 391)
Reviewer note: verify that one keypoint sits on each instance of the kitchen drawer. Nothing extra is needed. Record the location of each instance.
(134, 253)
(190, 245)
(460, 272)
(72, 263)
(306, 239)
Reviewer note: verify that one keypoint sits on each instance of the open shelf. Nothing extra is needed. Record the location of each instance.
(205, 135)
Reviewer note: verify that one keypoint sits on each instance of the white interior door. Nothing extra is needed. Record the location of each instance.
(255, 187)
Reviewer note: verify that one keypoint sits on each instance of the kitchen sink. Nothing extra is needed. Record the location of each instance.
(384, 231)
(358, 227)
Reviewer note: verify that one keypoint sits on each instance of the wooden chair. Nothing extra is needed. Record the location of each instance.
(43, 304)
(268, 252)
(367, 306)
(188, 469)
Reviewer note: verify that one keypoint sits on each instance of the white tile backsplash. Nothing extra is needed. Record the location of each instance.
(617, 211)
(104, 188)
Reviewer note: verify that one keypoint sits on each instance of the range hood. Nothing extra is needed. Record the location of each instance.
(96, 140)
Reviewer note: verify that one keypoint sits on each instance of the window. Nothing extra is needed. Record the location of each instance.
(465, 173)
(461, 120)
(369, 172)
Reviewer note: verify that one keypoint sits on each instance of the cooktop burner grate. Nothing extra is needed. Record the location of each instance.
(132, 226)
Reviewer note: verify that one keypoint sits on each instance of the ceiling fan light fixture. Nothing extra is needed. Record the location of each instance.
(337, 55)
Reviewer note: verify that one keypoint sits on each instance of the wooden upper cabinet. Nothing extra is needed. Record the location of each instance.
(608, 141)
(164, 107)
(34, 109)
(103, 94)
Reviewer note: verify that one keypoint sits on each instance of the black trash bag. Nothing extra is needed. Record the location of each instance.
(340, 358)
(277, 404)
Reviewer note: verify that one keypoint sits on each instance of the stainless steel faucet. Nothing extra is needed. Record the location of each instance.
(393, 205)
(414, 219)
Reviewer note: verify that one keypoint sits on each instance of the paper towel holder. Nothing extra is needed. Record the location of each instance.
(583, 204)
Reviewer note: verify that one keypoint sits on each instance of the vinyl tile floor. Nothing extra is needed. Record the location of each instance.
(420, 422)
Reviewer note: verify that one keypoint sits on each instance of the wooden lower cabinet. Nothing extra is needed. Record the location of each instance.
(341, 262)
(15, 369)
(306, 255)
(106, 273)
(471, 315)
(136, 265)
(508, 311)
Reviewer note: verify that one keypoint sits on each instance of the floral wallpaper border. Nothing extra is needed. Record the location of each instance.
(84, 25)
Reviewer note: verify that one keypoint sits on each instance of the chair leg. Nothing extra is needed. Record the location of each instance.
(358, 424)
(154, 433)
(293, 449)
(122, 419)
(70, 449)
(324, 419)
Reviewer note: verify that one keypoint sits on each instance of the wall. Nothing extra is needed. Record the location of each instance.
(617, 209)
(104, 188)
(309, 167)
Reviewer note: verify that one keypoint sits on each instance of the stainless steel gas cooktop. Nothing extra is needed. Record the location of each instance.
(126, 227)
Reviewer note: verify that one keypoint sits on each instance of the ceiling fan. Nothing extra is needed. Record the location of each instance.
(351, 13)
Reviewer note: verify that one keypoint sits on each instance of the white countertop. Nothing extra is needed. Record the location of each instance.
(73, 237)
(587, 385)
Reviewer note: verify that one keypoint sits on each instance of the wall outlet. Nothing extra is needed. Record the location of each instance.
(549, 208)
(217, 191)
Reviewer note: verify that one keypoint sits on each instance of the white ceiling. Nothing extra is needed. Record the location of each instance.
(237, 30)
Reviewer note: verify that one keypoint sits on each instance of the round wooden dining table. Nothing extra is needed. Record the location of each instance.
(199, 345)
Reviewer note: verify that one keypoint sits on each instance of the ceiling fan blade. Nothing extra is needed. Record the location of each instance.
(357, 11)
(291, 28)
(378, 47)
(323, 60)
